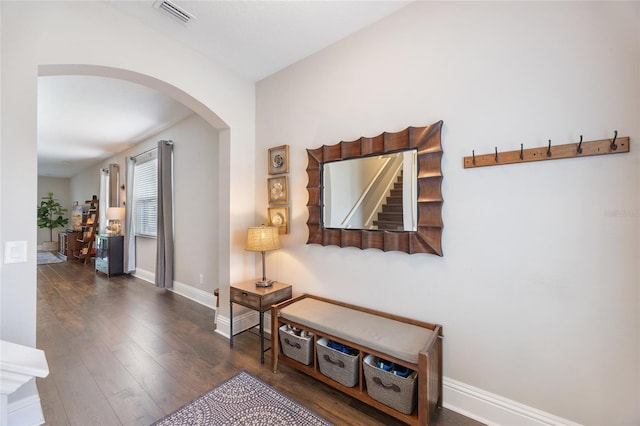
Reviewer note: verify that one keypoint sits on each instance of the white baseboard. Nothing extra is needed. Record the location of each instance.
(467, 400)
(202, 297)
(25, 412)
(493, 409)
(147, 276)
(222, 326)
(242, 322)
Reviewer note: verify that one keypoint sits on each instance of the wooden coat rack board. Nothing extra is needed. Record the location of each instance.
(580, 149)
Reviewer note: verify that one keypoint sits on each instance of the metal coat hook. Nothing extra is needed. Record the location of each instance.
(580, 146)
(521, 151)
(473, 153)
(549, 149)
(496, 154)
(613, 142)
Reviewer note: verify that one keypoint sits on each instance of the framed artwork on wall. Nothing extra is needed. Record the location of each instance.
(279, 160)
(278, 188)
(279, 217)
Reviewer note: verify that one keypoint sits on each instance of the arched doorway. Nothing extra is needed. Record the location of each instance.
(221, 254)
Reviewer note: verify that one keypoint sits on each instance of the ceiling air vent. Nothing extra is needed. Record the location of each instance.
(174, 10)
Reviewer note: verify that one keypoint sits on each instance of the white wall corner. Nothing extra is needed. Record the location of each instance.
(493, 409)
(222, 326)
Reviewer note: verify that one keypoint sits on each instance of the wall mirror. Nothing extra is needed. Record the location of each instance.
(377, 192)
(353, 184)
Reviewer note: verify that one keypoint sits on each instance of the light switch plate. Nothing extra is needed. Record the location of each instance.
(15, 252)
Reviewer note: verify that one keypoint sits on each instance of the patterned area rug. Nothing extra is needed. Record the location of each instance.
(45, 257)
(242, 400)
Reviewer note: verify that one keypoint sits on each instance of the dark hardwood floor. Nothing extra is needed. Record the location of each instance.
(121, 351)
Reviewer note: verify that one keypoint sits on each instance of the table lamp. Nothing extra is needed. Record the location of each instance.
(263, 238)
(115, 215)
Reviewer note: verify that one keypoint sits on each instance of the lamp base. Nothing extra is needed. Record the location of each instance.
(264, 283)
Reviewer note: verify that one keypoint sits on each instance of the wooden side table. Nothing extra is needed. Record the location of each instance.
(259, 299)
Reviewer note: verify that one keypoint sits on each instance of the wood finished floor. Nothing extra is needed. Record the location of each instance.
(122, 352)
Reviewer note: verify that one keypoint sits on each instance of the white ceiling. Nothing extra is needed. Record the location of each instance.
(83, 120)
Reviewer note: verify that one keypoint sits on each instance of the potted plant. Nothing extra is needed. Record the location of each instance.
(50, 215)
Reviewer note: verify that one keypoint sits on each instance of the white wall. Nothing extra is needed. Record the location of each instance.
(196, 199)
(62, 192)
(86, 184)
(98, 40)
(538, 287)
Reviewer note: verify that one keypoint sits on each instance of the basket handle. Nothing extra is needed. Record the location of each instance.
(339, 362)
(392, 386)
(294, 344)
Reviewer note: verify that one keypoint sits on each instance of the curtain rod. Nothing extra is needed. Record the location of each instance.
(145, 152)
(151, 149)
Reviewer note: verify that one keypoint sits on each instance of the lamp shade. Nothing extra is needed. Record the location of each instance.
(115, 213)
(262, 238)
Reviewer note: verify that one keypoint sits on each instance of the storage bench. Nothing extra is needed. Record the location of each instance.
(405, 342)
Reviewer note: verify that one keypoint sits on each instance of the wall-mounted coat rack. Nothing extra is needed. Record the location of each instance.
(550, 152)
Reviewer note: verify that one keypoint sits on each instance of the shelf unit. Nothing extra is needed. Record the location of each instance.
(428, 365)
(62, 244)
(68, 243)
(359, 391)
(89, 231)
(110, 254)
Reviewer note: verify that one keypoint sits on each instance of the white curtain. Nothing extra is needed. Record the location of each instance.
(164, 257)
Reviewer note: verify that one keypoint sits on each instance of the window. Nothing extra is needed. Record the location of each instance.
(145, 197)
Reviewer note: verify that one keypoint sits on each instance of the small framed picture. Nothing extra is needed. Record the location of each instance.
(279, 160)
(279, 217)
(278, 188)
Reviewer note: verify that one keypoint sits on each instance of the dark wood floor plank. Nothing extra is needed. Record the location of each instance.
(131, 403)
(121, 351)
(168, 393)
(52, 406)
(135, 407)
(82, 399)
(199, 373)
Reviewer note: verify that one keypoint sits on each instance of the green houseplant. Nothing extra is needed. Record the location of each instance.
(50, 215)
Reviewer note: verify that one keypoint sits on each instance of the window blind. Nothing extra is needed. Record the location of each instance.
(145, 194)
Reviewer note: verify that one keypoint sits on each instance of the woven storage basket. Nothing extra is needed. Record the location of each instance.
(341, 367)
(397, 392)
(296, 347)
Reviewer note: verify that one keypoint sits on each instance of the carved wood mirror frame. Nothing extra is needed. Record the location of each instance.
(428, 236)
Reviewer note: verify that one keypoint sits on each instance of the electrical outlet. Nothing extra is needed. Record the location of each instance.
(201, 278)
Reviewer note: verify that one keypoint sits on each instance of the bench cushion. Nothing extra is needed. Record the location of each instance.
(398, 339)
